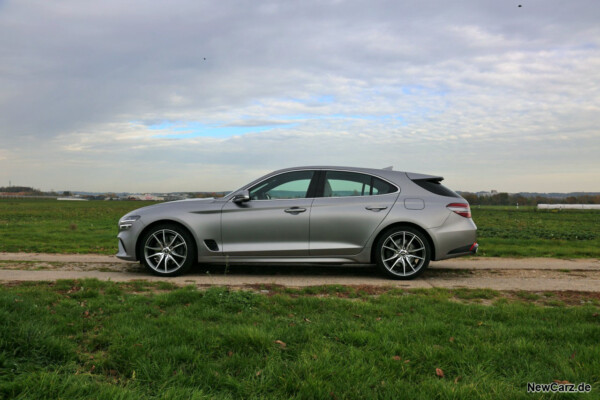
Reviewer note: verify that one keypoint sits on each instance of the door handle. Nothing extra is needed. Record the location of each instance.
(376, 209)
(295, 210)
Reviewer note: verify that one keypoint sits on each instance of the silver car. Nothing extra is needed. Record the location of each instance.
(397, 220)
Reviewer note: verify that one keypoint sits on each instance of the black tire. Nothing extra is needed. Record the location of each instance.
(402, 253)
(167, 250)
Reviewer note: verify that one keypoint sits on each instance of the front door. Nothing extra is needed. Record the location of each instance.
(275, 222)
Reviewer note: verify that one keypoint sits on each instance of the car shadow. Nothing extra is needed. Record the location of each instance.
(286, 270)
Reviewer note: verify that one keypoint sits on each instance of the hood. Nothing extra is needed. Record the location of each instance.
(191, 204)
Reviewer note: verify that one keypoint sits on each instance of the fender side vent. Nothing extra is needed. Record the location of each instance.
(211, 244)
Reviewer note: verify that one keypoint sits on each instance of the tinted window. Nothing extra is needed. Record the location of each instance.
(382, 187)
(291, 185)
(434, 186)
(344, 184)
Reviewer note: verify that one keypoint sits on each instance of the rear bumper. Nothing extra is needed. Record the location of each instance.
(468, 250)
(456, 237)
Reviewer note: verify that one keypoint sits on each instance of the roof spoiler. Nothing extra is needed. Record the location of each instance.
(414, 176)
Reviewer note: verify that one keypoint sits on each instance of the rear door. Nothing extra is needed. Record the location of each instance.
(351, 207)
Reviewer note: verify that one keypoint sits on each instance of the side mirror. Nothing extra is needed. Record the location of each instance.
(241, 197)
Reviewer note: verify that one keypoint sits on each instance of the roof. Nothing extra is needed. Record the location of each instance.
(384, 172)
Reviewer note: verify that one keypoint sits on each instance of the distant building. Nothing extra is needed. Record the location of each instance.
(71, 199)
(171, 197)
(569, 206)
(145, 197)
(487, 194)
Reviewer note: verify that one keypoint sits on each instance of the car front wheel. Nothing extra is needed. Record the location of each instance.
(403, 253)
(167, 250)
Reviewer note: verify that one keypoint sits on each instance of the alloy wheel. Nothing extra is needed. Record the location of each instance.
(403, 253)
(165, 251)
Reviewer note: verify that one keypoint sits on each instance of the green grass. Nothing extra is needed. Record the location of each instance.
(91, 227)
(528, 232)
(102, 340)
(51, 226)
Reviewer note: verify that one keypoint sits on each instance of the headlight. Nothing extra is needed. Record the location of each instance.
(126, 222)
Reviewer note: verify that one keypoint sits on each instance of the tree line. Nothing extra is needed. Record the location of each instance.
(506, 199)
(19, 189)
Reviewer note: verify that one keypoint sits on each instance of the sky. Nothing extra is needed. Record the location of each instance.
(155, 96)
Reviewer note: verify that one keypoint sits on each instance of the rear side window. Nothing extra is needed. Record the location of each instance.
(346, 184)
(434, 186)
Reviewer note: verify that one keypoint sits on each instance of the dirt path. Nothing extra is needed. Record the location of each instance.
(533, 274)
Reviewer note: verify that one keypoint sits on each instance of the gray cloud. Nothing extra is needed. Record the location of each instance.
(483, 92)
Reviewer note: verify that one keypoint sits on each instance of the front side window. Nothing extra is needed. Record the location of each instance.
(345, 184)
(290, 185)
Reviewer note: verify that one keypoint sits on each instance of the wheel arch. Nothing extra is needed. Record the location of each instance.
(141, 235)
(398, 225)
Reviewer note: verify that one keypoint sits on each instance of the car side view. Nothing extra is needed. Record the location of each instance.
(399, 221)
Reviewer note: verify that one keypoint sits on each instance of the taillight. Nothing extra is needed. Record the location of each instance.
(461, 209)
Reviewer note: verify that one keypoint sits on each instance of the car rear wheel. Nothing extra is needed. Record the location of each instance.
(168, 250)
(403, 253)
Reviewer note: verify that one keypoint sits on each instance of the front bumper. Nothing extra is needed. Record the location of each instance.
(123, 254)
(128, 242)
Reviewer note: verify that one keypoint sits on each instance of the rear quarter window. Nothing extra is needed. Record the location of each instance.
(382, 187)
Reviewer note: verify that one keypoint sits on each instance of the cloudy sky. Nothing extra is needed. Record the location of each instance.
(199, 95)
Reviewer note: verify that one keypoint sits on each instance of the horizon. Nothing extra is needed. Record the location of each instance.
(154, 192)
(139, 96)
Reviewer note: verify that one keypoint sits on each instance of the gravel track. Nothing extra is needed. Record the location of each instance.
(531, 274)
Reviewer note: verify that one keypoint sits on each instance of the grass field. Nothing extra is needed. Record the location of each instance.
(528, 232)
(91, 227)
(102, 340)
(51, 226)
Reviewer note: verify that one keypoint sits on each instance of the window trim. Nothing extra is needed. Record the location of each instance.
(316, 187)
